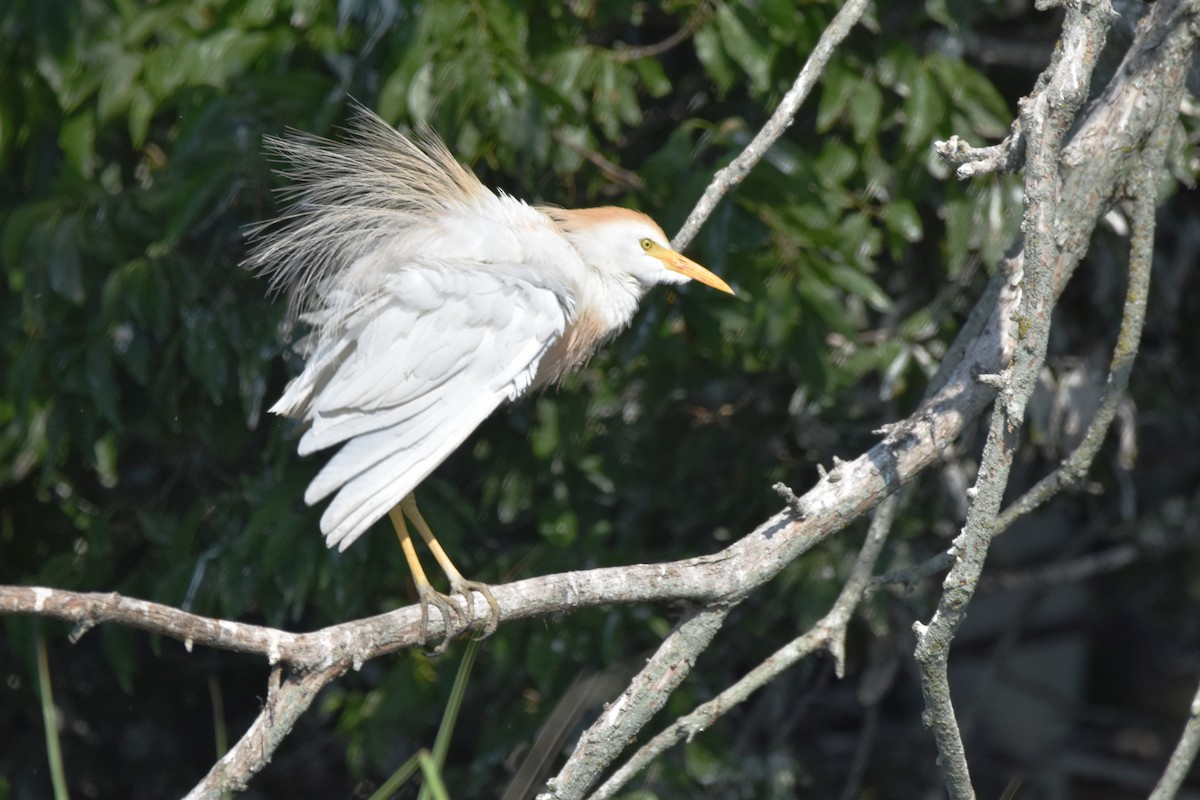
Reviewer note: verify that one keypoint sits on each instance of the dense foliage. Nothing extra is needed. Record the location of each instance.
(138, 360)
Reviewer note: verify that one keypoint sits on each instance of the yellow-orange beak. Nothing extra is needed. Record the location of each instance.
(685, 266)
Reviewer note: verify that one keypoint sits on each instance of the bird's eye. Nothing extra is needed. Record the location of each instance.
(646, 244)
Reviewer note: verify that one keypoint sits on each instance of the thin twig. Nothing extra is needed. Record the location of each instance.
(740, 167)
(617, 174)
(971, 161)
(1183, 756)
(632, 53)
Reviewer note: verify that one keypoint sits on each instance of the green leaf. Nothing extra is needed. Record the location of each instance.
(78, 141)
(861, 237)
(743, 48)
(826, 302)
(252, 387)
(837, 90)
(119, 84)
(421, 102)
(860, 284)
(141, 110)
(561, 529)
(102, 380)
(973, 94)
(901, 218)
(836, 162)
(919, 325)
(865, 109)
(653, 77)
(104, 452)
(139, 289)
(709, 51)
(195, 198)
(204, 352)
(957, 243)
(924, 109)
(65, 265)
(120, 648)
(545, 436)
(131, 346)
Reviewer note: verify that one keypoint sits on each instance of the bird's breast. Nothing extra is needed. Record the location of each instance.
(572, 350)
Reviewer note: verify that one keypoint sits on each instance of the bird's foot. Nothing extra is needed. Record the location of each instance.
(465, 588)
(453, 622)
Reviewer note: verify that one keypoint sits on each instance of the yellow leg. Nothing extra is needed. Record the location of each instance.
(406, 544)
(425, 592)
(458, 584)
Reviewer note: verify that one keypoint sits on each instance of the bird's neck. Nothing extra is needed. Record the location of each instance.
(604, 306)
(612, 299)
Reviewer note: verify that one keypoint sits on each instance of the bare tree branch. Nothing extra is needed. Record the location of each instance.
(828, 634)
(971, 161)
(699, 16)
(1064, 201)
(1142, 98)
(287, 699)
(1181, 760)
(1051, 254)
(1045, 118)
(740, 167)
(646, 694)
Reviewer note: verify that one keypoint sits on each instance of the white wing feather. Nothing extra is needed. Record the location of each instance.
(431, 299)
(414, 384)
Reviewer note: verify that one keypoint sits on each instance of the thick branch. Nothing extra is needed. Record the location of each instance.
(286, 701)
(1143, 97)
(1045, 118)
(850, 490)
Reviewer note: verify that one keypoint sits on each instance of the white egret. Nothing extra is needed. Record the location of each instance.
(431, 301)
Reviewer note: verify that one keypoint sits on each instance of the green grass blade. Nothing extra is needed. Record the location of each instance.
(49, 720)
(437, 759)
(398, 778)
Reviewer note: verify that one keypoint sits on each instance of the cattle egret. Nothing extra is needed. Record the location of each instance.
(430, 301)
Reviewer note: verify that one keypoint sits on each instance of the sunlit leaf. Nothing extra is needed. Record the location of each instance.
(743, 48)
(78, 140)
(902, 219)
(712, 56)
(924, 109)
(856, 282)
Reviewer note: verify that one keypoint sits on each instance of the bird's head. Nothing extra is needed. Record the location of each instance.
(628, 243)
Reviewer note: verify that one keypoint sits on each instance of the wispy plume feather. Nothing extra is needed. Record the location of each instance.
(347, 199)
